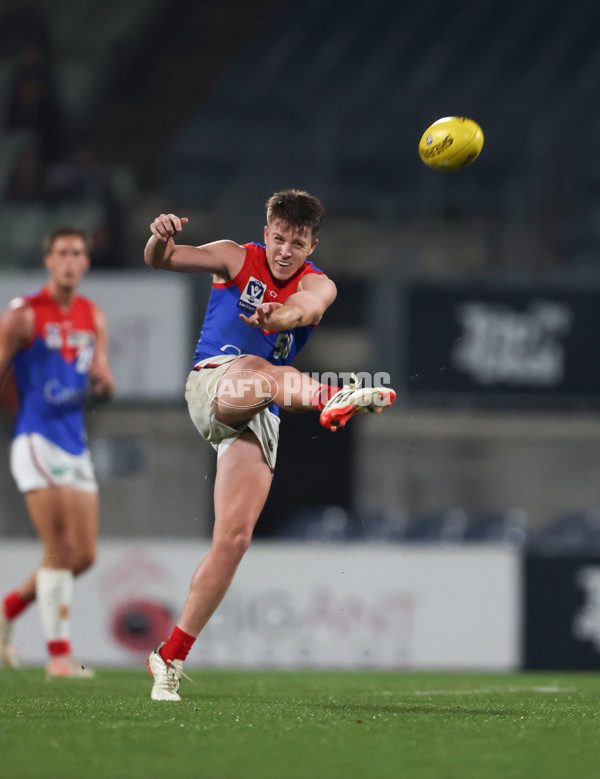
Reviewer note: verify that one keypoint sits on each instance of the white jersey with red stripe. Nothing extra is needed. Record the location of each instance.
(223, 332)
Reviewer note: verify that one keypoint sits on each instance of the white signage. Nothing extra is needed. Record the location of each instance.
(304, 605)
(150, 347)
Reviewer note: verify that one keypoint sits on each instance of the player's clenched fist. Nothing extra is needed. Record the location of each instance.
(166, 225)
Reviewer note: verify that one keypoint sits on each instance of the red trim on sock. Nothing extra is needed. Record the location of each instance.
(13, 604)
(177, 646)
(59, 647)
(322, 396)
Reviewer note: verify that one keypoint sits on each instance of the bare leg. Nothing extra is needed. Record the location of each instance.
(242, 484)
(84, 515)
(243, 477)
(66, 521)
(251, 383)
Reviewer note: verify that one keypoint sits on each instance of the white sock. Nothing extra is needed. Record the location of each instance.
(54, 590)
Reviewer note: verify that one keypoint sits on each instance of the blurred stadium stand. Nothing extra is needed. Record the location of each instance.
(446, 526)
(506, 527)
(56, 61)
(345, 120)
(574, 532)
(243, 109)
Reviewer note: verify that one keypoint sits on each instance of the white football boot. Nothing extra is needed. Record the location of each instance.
(354, 399)
(8, 652)
(67, 667)
(166, 676)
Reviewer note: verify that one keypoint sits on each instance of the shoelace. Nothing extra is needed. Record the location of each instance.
(347, 390)
(174, 672)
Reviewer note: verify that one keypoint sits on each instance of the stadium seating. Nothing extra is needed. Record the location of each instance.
(317, 523)
(378, 74)
(87, 39)
(576, 531)
(380, 526)
(506, 527)
(442, 526)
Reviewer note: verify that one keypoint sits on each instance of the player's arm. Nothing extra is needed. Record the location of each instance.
(101, 378)
(222, 258)
(304, 307)
(16, 330)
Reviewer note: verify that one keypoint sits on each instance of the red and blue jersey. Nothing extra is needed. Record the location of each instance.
(223, 332)
(51, 371)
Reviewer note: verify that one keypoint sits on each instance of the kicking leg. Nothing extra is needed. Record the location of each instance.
(251, 383)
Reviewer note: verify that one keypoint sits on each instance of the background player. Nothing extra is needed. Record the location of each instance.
(264, 304)
(56, 343)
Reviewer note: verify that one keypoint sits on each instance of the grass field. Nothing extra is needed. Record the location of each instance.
(287, 725)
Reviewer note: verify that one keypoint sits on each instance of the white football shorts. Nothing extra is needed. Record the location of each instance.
(36, 463)
(201, 388)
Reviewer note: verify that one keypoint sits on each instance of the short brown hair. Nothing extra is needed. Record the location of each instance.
(296, 208)
(64, 232)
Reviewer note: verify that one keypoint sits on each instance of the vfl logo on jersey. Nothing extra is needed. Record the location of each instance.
(252, 296)
(75, 345)
(53, 336)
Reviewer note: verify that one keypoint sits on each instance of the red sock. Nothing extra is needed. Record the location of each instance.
(177, 645)
(13, 604)
(323, 395)
(59, 647)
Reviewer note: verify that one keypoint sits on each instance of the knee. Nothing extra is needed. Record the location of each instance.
(83, 561)
(62, 554)
(252, 362)
(232, 547)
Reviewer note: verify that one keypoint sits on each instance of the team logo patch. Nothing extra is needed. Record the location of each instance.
(252, 296)
(53, 336)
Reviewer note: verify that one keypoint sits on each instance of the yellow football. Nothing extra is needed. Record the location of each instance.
(451, 143)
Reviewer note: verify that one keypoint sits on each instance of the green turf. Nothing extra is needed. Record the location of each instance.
(287, 725)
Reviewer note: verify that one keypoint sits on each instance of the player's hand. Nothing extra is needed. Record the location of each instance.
(102, 385)
(262, 315)
(166, 225)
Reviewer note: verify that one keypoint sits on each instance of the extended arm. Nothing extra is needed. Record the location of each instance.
(222, 258)
(304, 307)
(101, 377)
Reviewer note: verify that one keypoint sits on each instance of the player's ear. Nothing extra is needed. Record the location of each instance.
(266, 232)
(313, 246)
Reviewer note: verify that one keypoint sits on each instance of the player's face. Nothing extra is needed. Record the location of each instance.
(67, 261)
(287, 248)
